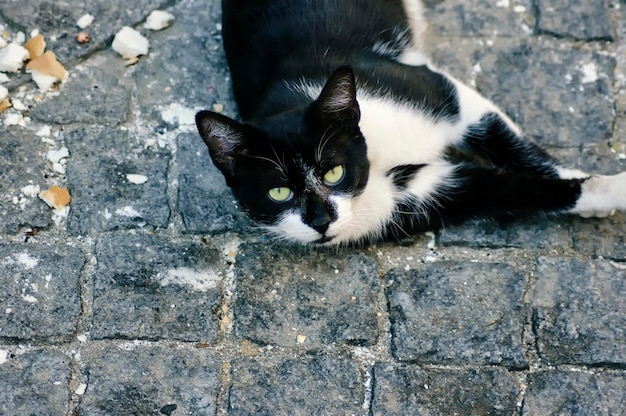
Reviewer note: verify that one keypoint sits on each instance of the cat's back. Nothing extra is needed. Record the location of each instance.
(267, 41)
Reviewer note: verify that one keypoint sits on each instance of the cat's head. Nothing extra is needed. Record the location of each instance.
(296, 173)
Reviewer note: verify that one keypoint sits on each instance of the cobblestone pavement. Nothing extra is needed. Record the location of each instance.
(154, 296)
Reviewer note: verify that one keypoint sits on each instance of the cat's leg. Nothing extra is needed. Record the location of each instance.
(475, 192)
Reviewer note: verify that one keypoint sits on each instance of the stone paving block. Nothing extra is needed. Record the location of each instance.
(39, 292)
(579, 314)
(90, 96)
(532, 233)
(479, 18)
(22, 165)
(103, 198)
(575, 393)
(457, 314)
(310, 386)
(411, 390)
(189, 72)
(560, 98)
(57, 21)
(583, 19)
(205, 203)
(148, 287)
(150, 380)
(33, 383)
(288, 297)
(604, 237)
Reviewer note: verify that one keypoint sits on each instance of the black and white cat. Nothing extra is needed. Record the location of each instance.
(350, 135)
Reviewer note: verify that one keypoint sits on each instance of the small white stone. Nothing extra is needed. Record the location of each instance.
(3, 77)
(136, 179)
(4, 93)
(43, 132)
(18, 105)
(84, 21)
(3, 356)
(3, 43)
(129, 43)
(158, 20)
(12, 57)
(81, 389)
(55, 156)
(300, 339)
(44, 82)
(20, 38)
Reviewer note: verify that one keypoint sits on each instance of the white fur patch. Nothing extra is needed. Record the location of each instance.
(290, 227)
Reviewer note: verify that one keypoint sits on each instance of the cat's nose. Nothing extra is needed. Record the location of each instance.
(318, 216)
(321, 224)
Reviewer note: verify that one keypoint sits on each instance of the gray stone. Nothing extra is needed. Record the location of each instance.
(190, 68)
(314, 386)
(602, 237)
(205, 203)
(57, 22)
(578, 311)
(39, 292)
(103, 198)
(568, 98)
(34, 383)
(478, 18)
(150, 380)
(90, 96)
(457, 313)
(148, 287)
(284, 293)
(532, 233)
(583, 19)
(22, 164)
(575, 393)
(411, 390)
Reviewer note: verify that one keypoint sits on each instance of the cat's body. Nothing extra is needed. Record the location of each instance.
(350, 135)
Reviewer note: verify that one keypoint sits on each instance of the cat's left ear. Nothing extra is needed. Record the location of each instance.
(222, 136)
(337, 100)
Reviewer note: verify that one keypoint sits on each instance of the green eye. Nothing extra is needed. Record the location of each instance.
(280, 194)
(334, 176)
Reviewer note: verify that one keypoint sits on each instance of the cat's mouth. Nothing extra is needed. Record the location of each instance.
(323, 240)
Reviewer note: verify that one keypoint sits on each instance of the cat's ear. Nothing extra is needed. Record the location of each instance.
(222, 136)
(337, 100)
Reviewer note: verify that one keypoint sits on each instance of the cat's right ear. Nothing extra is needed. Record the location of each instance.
(223, 136)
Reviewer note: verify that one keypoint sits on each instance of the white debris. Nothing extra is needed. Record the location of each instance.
(84, 21)
(4, 93)
(12, 57)
(18, 105)
(81, 389)
(3, 77)
(158, 20)
(128, 211)
(43, 132)
(179, 114)
(505, 4)
(31, 190)
(44, 82)
(27, 261)
(200, 281)
(29, 298)
(20, 37)
(136, 179)
(519, 9)
(3, 356)
(129, 43)
(590, 73)
(3, 43)
(300, 339)
(14, 119)
(55, 156)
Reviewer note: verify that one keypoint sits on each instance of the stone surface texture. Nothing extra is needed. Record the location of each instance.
(153, 295)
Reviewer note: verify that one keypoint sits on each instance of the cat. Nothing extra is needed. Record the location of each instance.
(350, 135)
